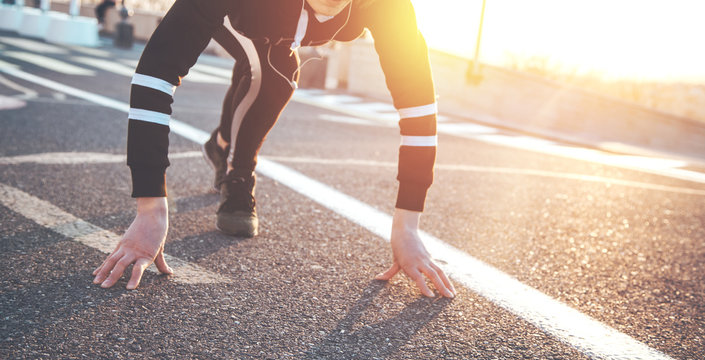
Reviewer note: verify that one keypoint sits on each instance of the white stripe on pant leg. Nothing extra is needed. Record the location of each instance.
(60, 221)
(255, 85)
(419, 140)
(149, 116)
(154, 83)
(418, 111)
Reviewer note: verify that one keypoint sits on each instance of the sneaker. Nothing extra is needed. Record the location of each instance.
(216, 157)
(237, 213)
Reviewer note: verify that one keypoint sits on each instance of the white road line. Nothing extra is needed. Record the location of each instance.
(344, 119)
(125, 70)
(31, 45)
(374, 107)
(90, 51)
(466, 129)
(589, 336)
(196, 76)
(7, 65)
(497, 170)
(27, 93)
(106, 65)
(214, 70)
(60, 221)
(9, 103)
(49, 63)
(662, 167)
(74, 158)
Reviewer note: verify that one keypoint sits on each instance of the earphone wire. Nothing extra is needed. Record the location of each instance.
(298, 68)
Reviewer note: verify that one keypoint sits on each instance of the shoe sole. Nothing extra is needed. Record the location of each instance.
(210, 163)
(250, 233)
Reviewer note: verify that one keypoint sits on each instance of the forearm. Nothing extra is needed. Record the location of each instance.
(403, 56)
(171, 51)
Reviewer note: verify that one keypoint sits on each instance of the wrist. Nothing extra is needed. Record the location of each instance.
(405, 220)
(156, 205)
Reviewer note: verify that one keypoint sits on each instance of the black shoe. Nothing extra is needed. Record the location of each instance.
(216, 157)
(237, 213)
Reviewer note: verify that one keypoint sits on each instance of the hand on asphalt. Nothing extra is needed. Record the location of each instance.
(411, 256)
(142, 244)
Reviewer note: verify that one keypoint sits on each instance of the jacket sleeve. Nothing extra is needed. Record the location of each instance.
(403, 55)
(171, 51)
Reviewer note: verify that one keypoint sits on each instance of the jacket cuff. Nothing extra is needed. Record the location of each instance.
(411, 196)
(148, 182)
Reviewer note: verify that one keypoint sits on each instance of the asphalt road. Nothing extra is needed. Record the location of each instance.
(621, 242)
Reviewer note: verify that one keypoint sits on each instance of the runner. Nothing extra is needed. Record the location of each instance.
(264, 44)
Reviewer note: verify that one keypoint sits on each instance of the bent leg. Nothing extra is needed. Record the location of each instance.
(259, 104)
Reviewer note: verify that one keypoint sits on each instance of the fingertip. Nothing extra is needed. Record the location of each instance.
(105, 285)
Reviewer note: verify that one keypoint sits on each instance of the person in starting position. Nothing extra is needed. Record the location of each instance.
(264, 43)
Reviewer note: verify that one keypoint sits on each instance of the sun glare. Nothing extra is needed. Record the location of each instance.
(644, 40)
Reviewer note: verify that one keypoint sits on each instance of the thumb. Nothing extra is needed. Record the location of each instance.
(160, 262)
(389, 273)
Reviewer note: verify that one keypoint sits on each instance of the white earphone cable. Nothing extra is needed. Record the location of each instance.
(295, 50)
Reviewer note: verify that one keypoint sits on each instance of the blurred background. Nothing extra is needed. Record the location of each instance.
(644, 52)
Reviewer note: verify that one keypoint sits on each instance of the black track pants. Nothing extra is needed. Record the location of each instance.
(255, 99)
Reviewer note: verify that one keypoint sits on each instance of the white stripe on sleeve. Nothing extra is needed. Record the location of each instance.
(149, 116)
(419, 140)
(154, 83)
(418, 111)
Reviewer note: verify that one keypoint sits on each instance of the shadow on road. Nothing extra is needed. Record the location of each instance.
(353, 337)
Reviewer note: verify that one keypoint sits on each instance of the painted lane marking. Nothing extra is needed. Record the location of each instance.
(90, 51)
(60, 221)
(382, 109)
(589, 336)
(105, 65)
(572, 327)
(31, 45)
(337, 98)
(344, 119)
(27, 93)
(10, 103)
(497, 170)
(466, 128)
(213, 70)
(49, 63)
(193, 75)
(649, 165)
(74, 158)
(8, 65)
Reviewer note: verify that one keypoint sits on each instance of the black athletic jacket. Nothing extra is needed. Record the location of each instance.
(401, 48)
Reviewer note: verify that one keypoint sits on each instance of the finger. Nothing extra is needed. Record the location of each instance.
(117, 271)
(162, 265)
(420, 282)
(393, 270)
(97, 270)
(432, 274)
(107, 266)
(445, 278)
(137, 271)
